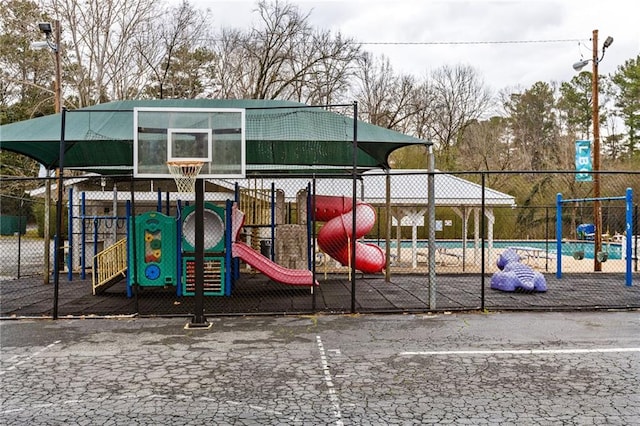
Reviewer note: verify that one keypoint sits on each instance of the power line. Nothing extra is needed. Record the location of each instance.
(424, 43)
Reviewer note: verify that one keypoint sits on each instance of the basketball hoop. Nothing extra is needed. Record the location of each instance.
(185, 174)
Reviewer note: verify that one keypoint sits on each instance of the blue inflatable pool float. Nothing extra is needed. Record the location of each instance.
(516, 276)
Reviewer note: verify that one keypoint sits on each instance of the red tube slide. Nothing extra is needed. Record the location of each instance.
(335, 235)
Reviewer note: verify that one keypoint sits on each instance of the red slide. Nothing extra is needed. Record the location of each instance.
(279, 273)
(334, 236)
(271, 269)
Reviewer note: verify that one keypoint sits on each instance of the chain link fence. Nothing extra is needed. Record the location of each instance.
(305, 244)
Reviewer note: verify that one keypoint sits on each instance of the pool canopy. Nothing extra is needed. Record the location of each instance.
(280, 136)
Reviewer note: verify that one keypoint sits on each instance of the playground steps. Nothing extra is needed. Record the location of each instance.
(110, 266)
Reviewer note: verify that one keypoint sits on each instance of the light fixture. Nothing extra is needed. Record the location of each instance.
(47, 30)
(45, 27)
(39, 45)
(580, 64)
(583, 63)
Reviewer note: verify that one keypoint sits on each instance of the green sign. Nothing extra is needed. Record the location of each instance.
(584, 165)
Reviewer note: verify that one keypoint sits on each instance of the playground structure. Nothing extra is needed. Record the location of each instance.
(600, 256)
(191, 146)
(160, 249)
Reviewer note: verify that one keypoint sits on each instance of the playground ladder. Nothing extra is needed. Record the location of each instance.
(110, 266)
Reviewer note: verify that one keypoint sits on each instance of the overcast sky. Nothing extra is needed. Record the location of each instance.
(501, 65)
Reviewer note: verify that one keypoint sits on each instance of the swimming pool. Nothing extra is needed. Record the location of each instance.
(614, 250)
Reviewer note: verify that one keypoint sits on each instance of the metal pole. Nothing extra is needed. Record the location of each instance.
(431, 200)
(633, 235)
(47, 228)
(311, 218)
(199, 319)
(58, 83)
(56, 266)
(559, 235)
(597, 212)
(353, 207)
(387, 238)
(629, 234)
(482, 242)
(57, 99)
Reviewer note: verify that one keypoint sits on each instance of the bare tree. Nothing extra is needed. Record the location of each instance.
(100, 36)
(173, 49)
(453, 99)
(385, 99)
(284, 58)
(485, 145)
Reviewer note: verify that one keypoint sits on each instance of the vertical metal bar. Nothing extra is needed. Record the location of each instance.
(83, 232)
(387, 238)
(353, 207)
(634, 235)
(95, 240)
(56, 266)
(70, 237)
(179, 247)
(133, 288)
(20, 234)
(228, 252)
(312, 220)
(559, 235)
(47, 228)
(130, 250)
(199, 318)
(431, 201)
(546, 238)
(272, 248)
(629, 234)
(482, 242)
(309, 219)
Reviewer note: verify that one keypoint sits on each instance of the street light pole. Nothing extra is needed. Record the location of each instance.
(597, 209)
(58, 85)
(57, 97)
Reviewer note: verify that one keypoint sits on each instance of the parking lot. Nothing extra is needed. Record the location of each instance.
(462, 368)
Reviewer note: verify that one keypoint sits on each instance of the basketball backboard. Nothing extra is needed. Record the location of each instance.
(214, 136)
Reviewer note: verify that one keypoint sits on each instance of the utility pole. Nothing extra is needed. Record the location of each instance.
(597, 208)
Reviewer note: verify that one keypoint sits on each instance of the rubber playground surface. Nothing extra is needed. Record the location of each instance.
(256, 293)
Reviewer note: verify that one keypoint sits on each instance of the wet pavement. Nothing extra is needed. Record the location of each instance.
(511, 368)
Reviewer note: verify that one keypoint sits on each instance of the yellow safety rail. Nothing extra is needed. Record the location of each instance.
(110, 266)
(256, 204)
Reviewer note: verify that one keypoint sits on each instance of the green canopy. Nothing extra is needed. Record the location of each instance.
(280, 136)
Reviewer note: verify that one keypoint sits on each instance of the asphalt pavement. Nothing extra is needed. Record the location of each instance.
(515, 368)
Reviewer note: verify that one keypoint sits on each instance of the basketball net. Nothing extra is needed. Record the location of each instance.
(185, 174)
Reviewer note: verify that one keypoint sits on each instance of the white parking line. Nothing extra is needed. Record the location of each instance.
(329, 382)
(523, 351)
(33, 355)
